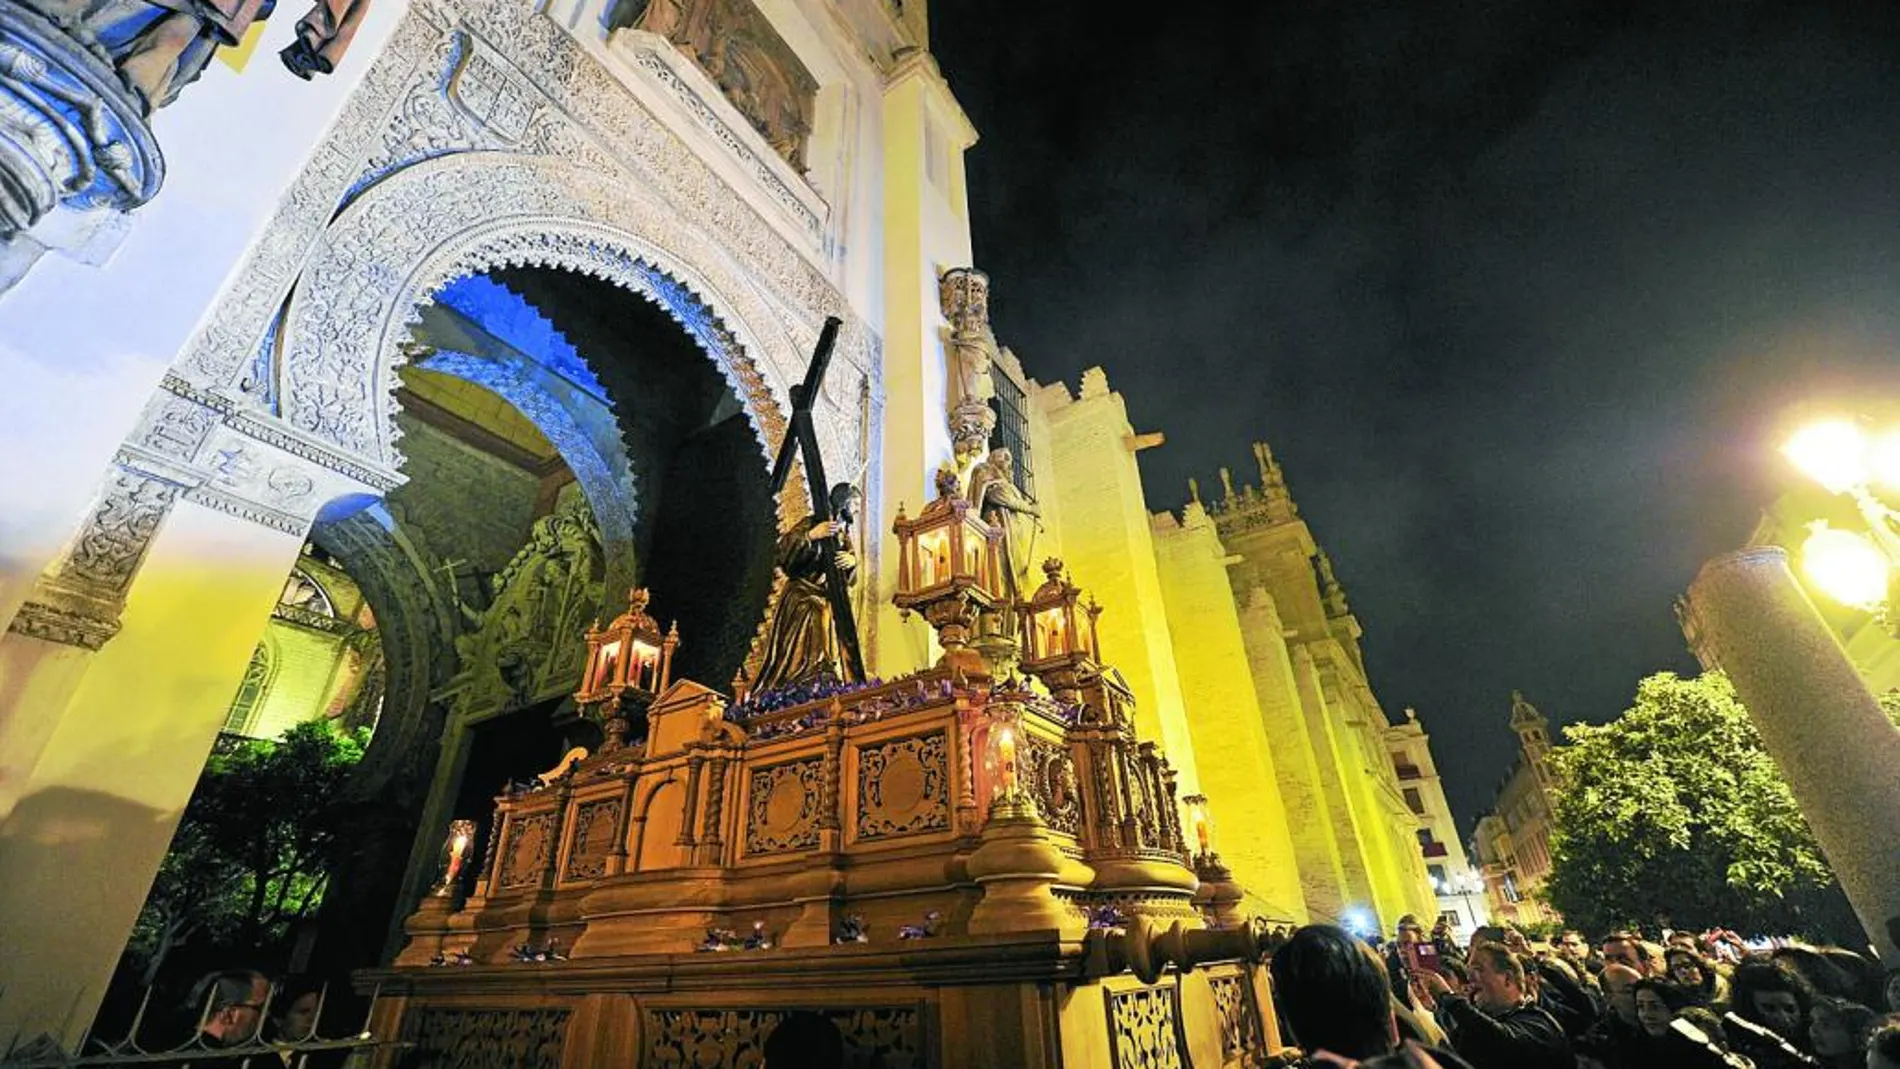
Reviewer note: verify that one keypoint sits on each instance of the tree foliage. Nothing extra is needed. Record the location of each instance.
(1675, 812)
(252, 853)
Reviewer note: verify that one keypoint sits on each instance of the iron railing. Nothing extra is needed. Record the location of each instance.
(253, 1052)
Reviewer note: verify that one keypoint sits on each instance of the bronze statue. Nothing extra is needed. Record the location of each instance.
(994, 494)
(801, 644)
(160, 46)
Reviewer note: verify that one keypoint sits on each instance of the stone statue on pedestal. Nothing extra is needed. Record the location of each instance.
(994, 494)
(965, 295)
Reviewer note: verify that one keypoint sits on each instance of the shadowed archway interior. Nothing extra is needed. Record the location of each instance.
(532, 392)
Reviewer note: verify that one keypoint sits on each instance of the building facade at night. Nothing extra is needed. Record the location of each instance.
(1512, 841)
(1460, 888)
(504, 318)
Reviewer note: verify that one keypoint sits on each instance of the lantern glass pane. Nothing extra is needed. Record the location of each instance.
(933, 558)
(1052, 637)
(608, 664)
(1000, 745)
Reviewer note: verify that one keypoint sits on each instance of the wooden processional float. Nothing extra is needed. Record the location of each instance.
(980, 863)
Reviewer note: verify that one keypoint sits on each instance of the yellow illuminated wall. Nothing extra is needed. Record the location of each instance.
(1234, 757)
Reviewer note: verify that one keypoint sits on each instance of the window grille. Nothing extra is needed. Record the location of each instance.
(1012, 429)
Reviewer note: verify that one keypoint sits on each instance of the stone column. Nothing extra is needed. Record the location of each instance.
(1746, 614)
(120, 670)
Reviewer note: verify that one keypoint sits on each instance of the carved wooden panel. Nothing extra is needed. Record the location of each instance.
(786, 800)
(525, 856)
(595, 827)
(1239, 1024)
(904, 786)
(1050, 777)
(885, 1037)
(1143, 1031)
(484, 1039)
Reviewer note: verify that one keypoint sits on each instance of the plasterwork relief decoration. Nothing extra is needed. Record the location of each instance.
(1142, 1028)
(752, 65)
(887, 1037)
(525, 858)
(904, 787)
(518, 649)
(484, 1038)
(596, 826)
(1239, 1025)
(413, 155)
(188, 445)
(786, 801)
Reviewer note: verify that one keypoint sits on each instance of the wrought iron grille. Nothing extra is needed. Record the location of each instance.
(1012, 429)
(253, 1052)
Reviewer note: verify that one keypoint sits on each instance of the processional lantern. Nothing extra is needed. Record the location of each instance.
(1202, 822)
(455, 851)
(1058, 632)
(629, 662)
(1002, 738)
(949, 569)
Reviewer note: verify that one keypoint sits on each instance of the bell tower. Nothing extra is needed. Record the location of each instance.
(1533, 736)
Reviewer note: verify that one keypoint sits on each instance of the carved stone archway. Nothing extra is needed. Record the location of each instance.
(412, 233)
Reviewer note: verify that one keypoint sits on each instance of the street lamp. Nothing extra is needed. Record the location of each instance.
(1810, 704)
(1463, 885)
(1844, 459)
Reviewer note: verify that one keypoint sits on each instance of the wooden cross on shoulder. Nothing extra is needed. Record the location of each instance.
(802, 440)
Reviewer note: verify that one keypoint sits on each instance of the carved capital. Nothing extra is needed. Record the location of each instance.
(59, 177)
(77, 602)
(965, 295)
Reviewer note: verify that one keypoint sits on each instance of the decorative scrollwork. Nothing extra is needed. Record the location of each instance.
(784, 809)
(1143, 1028)
(903, 786)
(1239, 1025)
(484, 1038)
(530, 845)
(595, 824)
(890, 1037)
(1051, 781)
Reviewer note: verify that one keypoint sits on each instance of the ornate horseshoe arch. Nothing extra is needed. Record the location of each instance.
(384, 257)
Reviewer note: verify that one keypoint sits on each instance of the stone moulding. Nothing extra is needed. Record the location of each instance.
(591, 153)
(73, 137)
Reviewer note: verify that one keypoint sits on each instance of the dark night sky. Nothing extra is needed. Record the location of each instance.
(1518, 290)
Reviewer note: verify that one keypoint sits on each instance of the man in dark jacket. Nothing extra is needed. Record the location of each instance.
(1333, 995)
(1494, 1025)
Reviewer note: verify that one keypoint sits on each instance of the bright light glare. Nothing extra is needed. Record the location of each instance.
(1884, 458)
(1832, 453)
(1845, 566)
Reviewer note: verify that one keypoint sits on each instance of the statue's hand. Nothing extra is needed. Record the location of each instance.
(845, 561)
(822, 529)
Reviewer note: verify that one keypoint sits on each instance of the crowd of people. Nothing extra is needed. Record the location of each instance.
(1502, 1001)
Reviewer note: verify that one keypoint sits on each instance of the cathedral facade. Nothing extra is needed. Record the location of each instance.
(507, 315)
